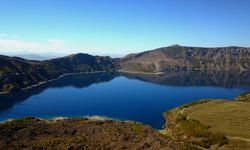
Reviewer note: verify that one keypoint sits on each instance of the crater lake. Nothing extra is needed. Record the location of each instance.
(137, 97)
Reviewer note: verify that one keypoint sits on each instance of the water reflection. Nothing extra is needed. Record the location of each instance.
(224, 79)
(77, 81)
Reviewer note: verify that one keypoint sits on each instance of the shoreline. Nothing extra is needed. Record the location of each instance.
(61, 76)
(78, 73)
(135, 72)
(163, 72)
(58, 118)
(51, 80)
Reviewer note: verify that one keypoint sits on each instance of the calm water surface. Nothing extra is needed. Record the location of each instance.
(141, 98)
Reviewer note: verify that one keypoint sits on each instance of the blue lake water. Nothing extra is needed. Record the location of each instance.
(141, 98)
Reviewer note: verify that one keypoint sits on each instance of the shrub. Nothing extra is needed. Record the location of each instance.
(193, 128)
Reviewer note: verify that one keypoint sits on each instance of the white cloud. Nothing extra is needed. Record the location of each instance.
(56, 42)
(9, 36)
(12, 43)
(19, 44)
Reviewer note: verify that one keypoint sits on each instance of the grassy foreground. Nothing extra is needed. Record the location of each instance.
(212, 124)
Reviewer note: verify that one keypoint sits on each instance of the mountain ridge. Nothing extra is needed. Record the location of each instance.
(188, 58)
(18, 73)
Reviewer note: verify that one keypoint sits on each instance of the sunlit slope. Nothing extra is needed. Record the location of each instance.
(209, 123)
(178, 58)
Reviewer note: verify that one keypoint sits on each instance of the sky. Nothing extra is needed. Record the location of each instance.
(119, 27)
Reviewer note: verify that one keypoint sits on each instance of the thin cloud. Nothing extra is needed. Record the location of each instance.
(9, 36)
(19, 44)
(56, 42)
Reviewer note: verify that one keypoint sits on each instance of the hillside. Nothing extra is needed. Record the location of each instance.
(17, 73)
(176, 58)
(214, 124)
(82, 133)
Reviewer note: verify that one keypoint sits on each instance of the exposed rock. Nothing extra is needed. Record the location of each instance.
(176, 58)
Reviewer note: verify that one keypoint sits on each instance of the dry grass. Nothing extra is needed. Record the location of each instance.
(231, 118)
(244, 97)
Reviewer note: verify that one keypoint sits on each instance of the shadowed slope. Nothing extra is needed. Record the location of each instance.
(17, 73)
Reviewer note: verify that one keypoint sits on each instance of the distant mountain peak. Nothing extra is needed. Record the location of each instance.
(79, 55)
(175, 45)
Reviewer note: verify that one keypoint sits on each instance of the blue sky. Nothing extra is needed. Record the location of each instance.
(117, 27)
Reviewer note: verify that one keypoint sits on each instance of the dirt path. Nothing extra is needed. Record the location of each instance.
(238, 138)
(182, 112)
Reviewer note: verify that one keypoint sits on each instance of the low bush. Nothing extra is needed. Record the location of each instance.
(193, 128)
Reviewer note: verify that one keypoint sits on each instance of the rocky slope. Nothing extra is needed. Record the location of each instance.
(188, 58)
(77, 133)
(17, 73)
